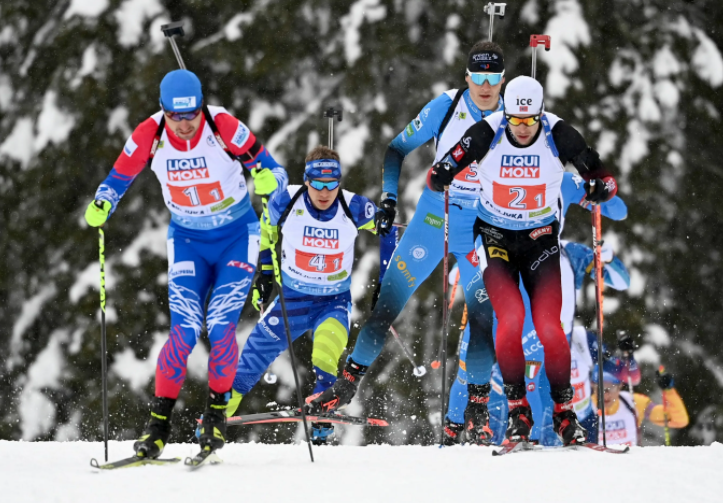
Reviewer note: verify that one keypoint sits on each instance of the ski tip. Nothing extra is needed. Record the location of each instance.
(94, 463)
(373, 421)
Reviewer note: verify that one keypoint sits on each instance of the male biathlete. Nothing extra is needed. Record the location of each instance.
(521, 153)
(320, 223)
(213, 239)
(420, 250)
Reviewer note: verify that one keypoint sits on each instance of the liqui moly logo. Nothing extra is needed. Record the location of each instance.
(321, 238)
(180, 170)
(520, 166)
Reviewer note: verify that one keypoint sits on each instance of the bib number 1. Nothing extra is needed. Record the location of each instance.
(197, 195)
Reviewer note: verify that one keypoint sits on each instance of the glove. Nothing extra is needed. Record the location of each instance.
(600, 190)
(665, 380)
(625, 342)
(261, 291)
(385, 216)
(98, 212)
(264, 181)
(440, 176)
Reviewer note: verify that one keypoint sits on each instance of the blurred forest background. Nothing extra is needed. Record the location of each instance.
(641, 79)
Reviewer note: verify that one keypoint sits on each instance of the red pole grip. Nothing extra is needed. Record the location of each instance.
(536, 40)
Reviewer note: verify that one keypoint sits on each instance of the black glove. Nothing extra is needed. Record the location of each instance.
(665, 380)
(625, 342)
(261, 292)
(385, 216)
(600, 190)
(441, 176)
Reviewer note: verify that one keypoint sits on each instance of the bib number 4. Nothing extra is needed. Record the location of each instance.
(319, 263)
(529, 197)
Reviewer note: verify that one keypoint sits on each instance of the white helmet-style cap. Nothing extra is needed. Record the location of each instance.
(523, 96)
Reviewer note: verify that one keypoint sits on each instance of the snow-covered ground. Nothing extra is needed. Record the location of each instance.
(60, 472)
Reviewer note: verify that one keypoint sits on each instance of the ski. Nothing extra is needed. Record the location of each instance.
(132, 462)
(526, 446)
(290, 416)
(201, 459)
(513, 447)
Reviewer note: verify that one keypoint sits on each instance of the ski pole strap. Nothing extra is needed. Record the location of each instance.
(450, 112)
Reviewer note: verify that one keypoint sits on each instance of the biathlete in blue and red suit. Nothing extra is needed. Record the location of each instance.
(521, 166)
(197, 154)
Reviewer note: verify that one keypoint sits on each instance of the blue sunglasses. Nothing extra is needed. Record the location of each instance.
(179, 116)
(319, 185)
(481, 78)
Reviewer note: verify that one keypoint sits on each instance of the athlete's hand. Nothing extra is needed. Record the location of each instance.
(385, 216)
(264, 181)
(665, 380)
(97, 212)
(440, 176)
(625, 342)
(600, 190)
(261, 292)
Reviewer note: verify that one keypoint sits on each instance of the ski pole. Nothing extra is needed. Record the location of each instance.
(437, 362)
(418, 371)
(277, 276)
(445, 313)
(330, 113)
(494, 9)
(666, 430)
(169, 30)
(597, 248)
(269, 377)
(536, 40)
(103, 345)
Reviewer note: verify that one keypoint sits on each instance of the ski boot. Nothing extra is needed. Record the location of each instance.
(341, 393)
(322, 434)
(452, 433)
(476, 415)
(565, 422)
(519, 419)
(213, 425)
(155, 436)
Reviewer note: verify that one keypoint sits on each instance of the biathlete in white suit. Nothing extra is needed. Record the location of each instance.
(419, 252)
(197, 154)
(320, 223)
(521, 154)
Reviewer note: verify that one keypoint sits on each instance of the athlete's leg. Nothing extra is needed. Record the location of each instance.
(414, 259)
(189, 278)
(501, 277)
(458, 392)
(540, 273)
(234, 271)
(331, 333)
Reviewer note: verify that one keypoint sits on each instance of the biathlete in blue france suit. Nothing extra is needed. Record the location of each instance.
(320, 223)
(521, 153)
(197, 154)
(444, 119)
(573, 268)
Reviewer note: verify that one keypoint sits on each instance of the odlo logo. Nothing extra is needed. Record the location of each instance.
(321, 238)
(180, 170)
(520, 166)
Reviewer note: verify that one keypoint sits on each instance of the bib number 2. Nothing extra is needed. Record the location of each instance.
(529, 197)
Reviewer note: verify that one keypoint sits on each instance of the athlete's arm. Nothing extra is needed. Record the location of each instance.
(615, 274)
(418, 132)
(243, 143)
(363, 211)
(129, 164)
(675, 409)
(473, 146)
(573, 192)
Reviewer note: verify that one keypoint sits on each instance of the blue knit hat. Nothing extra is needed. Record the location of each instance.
(181, 91)
(322, 168)
(614, 371)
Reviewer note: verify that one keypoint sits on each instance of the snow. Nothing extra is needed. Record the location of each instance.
(118, 121)
(351, 144)
(707, 60)
(360, 11)
(54, 125)
(232, 30)
(568, 30)
(19, 144)
(131, 16)
(29, 312)
(657, 335)
(262, 110)
(451, 45)
(6, 93)
(530, 12)
(401, 474)
(86, 8)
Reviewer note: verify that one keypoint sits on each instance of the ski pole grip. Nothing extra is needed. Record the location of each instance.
(536, 40)
(175, 28)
